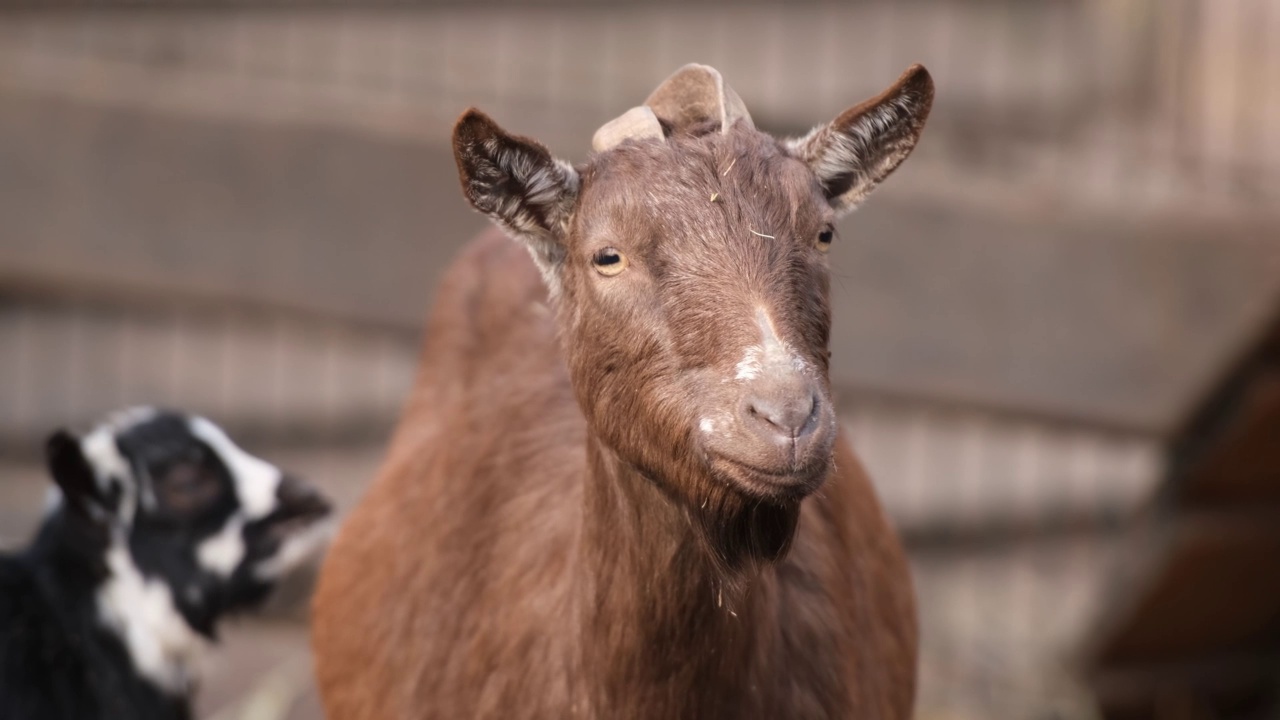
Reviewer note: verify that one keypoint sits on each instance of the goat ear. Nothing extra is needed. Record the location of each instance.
(852, 154)
(517, 183)
(72, 471)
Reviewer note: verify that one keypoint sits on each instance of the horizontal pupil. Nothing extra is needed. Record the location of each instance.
(607, 259)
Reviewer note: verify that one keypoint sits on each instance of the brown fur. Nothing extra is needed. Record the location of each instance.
(551, 535)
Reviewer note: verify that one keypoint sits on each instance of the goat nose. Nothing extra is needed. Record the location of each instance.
(297, 498)
(786, 414)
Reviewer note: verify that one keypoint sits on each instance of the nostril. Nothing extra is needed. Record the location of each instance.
(788, 416)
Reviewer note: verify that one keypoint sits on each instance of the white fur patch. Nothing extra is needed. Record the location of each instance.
(256, 480)
(131, 416)
(221, 553)
(748, 368)
(298, 548)
(777, 353)
(99, 448)
(772, 353)
(110, 467)
(52, 500)
(163, 647)
(257, 483)
(707, 425)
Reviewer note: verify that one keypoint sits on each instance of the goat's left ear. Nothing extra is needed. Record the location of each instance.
(516, 182)
(72, 472)
(852, 154)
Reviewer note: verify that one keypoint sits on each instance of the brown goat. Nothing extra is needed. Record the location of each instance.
(619, 489)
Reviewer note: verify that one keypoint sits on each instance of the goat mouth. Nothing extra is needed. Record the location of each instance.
(286, 527)
(288, 522)
(775, 484)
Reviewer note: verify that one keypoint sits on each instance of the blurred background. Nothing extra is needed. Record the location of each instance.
(1057, 327)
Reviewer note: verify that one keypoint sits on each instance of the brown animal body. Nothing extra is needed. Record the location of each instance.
(627, 496)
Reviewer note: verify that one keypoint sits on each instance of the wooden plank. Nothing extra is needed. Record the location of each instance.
(323, 220)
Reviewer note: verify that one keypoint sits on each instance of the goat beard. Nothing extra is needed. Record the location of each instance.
(742, 534)
(739, 533)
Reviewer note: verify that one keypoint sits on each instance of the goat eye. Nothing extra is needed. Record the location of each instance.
(825, 237)
(186, 488)
(609, 261)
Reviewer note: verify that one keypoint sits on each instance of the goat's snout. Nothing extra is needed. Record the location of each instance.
(778, 443)
(784, 420)
(780, 411)
(298, 499)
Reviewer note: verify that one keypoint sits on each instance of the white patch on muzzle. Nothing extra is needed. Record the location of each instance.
(773, 354)
(749, 367)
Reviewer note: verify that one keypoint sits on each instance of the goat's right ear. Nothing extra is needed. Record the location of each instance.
(71, 471)
(852, 154)
(517, 183)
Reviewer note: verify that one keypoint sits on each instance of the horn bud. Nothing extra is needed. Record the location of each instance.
(698, 93)
(638, 123)
(691, 95)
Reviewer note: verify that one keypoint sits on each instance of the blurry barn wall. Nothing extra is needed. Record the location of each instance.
(242, 209)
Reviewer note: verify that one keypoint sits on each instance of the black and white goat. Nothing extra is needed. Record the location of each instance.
(160, 526)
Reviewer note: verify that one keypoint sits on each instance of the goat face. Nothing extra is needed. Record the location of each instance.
(183, 521)
(688, 267)
(714, 333)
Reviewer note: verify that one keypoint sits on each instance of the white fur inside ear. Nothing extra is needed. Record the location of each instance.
(549, 190)
(864, 152)
(522, 188)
